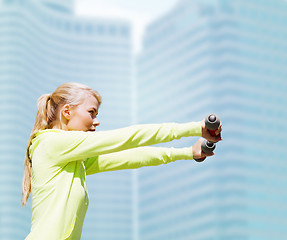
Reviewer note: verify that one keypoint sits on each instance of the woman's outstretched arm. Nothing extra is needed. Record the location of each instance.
(136, 158)
(66, 146)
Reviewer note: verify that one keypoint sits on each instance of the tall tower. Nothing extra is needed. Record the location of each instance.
(42, 45)
(227, 57)
(59, 5)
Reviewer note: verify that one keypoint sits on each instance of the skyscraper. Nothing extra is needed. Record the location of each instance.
(42, 44)
(227, 57)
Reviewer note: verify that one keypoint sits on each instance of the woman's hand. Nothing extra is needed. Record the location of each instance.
(197, 152)
(207, 135)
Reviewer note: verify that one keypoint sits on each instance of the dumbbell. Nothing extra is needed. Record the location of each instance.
(212, 122)
(206, 147)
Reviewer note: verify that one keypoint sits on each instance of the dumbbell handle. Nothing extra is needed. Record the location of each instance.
(206, 147)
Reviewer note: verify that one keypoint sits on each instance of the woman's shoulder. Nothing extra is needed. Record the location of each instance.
(58, 135)
(44, 131)
(58, 132)
(56, 140)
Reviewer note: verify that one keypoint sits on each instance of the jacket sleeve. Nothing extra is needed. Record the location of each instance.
(66, 146)
(136, 158)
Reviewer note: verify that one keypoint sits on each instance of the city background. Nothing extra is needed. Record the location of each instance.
(193, 58)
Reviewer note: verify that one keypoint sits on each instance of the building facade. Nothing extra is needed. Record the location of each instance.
(204, 56)
(227, 57)
(42, 45)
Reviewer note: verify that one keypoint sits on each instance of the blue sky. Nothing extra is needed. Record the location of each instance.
(139, 12)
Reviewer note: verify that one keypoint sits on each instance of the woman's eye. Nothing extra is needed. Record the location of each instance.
(93, 114)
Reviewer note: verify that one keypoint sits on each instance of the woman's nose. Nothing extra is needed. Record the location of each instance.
(96, 122)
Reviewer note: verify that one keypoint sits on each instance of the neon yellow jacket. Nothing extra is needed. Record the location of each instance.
(62, 159)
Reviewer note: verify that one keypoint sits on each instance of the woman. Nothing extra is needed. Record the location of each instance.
(63, 148)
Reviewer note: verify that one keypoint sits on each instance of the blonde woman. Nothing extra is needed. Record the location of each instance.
(63, 148)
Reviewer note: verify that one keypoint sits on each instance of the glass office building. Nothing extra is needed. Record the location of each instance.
(42, 45)
(227, 57)
(204, 56)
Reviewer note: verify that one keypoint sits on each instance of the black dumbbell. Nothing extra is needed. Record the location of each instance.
(212, 122)
(206, 147)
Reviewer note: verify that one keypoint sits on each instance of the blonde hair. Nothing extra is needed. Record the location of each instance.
(47, 114)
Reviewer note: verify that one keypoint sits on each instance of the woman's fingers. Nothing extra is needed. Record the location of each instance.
(218, 131)
(197, 150)
(206, 134)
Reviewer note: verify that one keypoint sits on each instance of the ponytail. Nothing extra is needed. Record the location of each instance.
(48, 106)
(41, 122)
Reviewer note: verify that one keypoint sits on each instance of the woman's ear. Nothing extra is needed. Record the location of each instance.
(66, 111)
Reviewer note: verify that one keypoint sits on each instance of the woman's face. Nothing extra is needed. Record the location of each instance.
(84, 116)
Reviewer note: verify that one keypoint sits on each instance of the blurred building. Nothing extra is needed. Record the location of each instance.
(221, 56)
(227, 57)
(42, 45)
